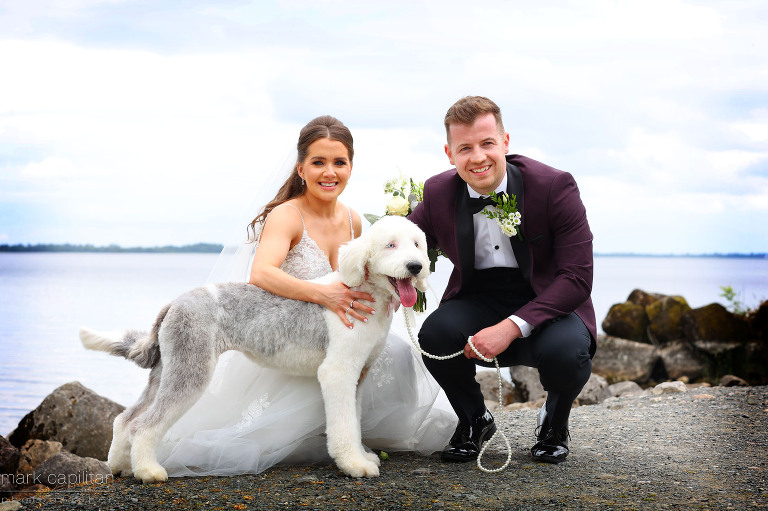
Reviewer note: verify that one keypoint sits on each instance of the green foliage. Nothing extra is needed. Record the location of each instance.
(734, 304)
(505, 213)
(406, 188)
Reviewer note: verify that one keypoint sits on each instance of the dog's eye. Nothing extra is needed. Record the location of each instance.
(416, 243)
(391, 245)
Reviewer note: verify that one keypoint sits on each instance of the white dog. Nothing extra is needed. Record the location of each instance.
(297, 337)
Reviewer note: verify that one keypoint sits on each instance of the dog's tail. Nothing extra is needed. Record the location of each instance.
(140, 347)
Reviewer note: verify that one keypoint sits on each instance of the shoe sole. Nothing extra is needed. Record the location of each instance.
(484, 437)
(548, 459)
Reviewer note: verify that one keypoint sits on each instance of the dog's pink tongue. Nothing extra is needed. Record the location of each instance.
(407, 292)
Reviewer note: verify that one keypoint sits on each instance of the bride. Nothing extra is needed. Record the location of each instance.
(251, 418)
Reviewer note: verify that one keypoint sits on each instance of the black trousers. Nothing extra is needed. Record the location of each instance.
(559, 349)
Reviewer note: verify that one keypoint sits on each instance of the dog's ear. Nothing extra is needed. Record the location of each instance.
(353, 257)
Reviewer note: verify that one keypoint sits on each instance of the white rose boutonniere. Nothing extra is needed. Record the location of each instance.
(398, 206)
(506, 214)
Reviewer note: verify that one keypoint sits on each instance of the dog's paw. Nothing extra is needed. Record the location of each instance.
(119, 464)
(372, 457)
(359, 468)
(120, 471)
(152, 473)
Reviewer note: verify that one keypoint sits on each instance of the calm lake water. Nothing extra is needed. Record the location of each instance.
(46, 297)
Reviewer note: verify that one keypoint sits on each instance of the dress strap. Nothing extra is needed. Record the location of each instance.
(303, 225)
(351, 228)
(299, 212)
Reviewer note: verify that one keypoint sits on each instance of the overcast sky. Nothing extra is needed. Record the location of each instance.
(158, 122)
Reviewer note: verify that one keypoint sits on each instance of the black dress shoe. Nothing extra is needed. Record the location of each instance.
(552, 446)
(467, 440)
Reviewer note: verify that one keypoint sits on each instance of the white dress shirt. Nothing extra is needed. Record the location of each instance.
(493, 249)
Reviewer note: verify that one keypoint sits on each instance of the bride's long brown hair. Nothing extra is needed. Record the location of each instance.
(324, 126)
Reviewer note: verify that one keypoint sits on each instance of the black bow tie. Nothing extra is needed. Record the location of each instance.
(476, 204)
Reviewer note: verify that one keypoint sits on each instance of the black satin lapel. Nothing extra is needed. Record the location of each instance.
(519, 247)
(465, 232)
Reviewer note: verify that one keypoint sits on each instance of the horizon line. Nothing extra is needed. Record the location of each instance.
(203, 247)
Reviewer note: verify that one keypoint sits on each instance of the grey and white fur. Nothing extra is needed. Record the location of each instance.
(297, 337)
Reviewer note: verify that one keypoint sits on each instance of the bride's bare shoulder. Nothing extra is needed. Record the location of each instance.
(285, 219)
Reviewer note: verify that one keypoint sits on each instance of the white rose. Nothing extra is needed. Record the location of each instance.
(397, 206)
(507, 227)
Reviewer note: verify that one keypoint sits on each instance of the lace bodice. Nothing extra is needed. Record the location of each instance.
(306, 261)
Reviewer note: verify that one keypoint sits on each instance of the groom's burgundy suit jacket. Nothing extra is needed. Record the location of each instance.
(556, 254)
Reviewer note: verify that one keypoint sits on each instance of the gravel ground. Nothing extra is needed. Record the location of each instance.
(703, 449)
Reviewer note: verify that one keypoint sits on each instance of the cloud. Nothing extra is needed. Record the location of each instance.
(170, 120)
(51, 167)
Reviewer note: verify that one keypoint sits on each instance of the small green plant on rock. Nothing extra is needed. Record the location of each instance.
(734, 304)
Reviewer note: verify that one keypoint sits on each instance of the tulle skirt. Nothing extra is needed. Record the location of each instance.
(251, 418)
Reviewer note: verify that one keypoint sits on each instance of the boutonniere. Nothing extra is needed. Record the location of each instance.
(405, 195)
(505, 213)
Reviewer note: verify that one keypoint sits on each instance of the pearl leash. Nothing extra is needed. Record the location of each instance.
(406, 313)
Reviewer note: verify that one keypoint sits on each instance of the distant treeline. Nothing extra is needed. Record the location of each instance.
(67, 247)
(751, 255)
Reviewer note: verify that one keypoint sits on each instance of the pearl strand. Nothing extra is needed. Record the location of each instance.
(499, 431)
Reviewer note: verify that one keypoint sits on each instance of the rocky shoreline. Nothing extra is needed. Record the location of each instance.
(692, 443)
(670, 447)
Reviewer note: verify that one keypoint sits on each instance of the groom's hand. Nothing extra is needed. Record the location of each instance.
(493, 340)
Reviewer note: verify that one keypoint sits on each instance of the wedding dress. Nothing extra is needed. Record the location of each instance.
(251, 418)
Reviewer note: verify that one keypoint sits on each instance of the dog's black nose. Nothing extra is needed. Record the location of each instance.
(414, 267)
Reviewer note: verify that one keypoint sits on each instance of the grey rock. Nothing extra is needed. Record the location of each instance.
(624, 388)
(11, 505)
(527, 383)
(682, 360)
(595, 391)
(67, 469)
(35, 452)
(747, 360)
(619, 359)
(75, 416)
(717, 349)
(6, 487)
(489, 385)
(669, 387)
(9, 456)
(730, 380)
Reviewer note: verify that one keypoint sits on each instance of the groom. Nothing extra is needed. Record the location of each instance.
(525, 300)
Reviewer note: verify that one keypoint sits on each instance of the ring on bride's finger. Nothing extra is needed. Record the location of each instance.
(351, 304)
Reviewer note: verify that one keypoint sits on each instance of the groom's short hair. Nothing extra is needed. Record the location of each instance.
(468, 109)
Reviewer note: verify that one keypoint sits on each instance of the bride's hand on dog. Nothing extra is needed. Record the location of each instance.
(348, 303)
